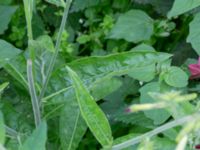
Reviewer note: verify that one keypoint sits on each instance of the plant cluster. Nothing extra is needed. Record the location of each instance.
(99, 74)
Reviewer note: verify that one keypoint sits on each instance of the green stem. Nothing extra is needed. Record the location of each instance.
(28, 7)
(58, 41)
(34, 99)
(157, 131)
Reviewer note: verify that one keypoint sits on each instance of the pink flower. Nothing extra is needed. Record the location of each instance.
(195, 70)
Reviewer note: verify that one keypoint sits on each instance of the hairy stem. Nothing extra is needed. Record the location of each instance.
(34, 98)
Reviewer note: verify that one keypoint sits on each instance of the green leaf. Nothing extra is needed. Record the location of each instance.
(2, 130)
(176, 77)
(92, 114)
(37, 140)
(94, 70)
(7, 52)
(3, 86)
(194, 34)
(163, 143)
(79, 5)
(160, 6)
(43, 43)
(17, 69)
(159, 116)
(6, 13)
(60, 3)
(72, 126)
(182, 6)
(5, 2)
(133, 26)
(146, 73)
(143, 46)
(105, 86)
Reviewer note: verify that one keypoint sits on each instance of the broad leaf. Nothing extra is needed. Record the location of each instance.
(2, 130)
(159, 116)
(92, 114)
(94, 70)
(182, 6)
(37, 140)
(6, 13)
(133, 26)
(7, 52)
(194, 34)
(176, 77)
(72, 126)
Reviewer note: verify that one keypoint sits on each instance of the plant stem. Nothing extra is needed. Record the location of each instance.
(58, 41)
(28, 7)
(156, 131)
(34, 99)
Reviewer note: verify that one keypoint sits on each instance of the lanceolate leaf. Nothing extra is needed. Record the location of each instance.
(92, 114)
(182, 6)
(72, 126)
(194, 34)
(37, 140)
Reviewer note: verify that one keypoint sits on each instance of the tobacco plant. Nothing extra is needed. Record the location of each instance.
(99, 74)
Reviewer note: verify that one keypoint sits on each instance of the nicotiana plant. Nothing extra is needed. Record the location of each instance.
(122, 74)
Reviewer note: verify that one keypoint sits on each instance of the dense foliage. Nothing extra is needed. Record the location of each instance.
(122, 74)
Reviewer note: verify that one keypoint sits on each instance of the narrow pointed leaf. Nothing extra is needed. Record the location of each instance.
(92, 114)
